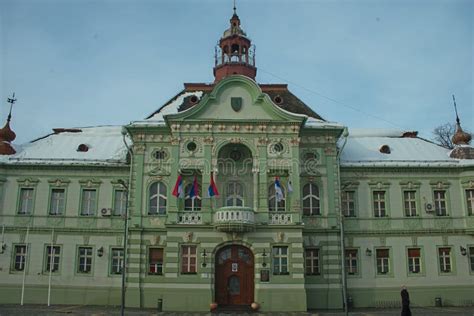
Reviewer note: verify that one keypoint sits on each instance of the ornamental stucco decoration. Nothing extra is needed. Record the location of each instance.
(119, 240)
(188, 236)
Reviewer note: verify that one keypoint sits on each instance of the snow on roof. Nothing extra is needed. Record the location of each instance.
(363, 149)
(312, 122)
(171, 108)
(104, 147)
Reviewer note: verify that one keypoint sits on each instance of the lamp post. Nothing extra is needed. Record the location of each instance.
(125, 238)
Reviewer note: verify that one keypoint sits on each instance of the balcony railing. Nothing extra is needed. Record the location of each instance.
(278, 218)
(234, 219)
(189, 218)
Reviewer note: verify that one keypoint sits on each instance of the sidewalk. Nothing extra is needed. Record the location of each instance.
(66, 310)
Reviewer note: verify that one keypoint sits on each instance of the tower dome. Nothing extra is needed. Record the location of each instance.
(235, 54)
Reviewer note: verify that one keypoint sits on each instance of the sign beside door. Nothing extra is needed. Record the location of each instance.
(235, 267)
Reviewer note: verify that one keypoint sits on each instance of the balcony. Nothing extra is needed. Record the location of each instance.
(234, 219)
(189, 218)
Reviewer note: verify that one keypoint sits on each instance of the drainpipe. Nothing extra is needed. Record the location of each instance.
(125, 233)
(345, 133)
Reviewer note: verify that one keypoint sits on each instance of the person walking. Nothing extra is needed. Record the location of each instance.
(405, 302)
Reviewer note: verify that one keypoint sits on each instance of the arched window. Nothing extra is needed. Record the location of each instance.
(311, 205)
(157, 202)
(192, 203)
(235, 194)
(273, 204)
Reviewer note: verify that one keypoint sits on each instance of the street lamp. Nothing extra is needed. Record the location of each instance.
(125, 237)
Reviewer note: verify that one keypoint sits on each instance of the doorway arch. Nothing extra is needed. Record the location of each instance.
(234, 278)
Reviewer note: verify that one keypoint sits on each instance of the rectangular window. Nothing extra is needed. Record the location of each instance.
(53, 254)
(470, 201)
(383, 259)
(26, 201)
(440, 202)
(84, 260)
(116, 262)
(280, 260)
(312, 261)
(89, 202)
(379, 203)
(155, 261)
(351, 261)
(444, 255)
(414, 260)
(188, 259)
(20, 257)
(471, 258)
(57, 202)
(348, 203)
(120, 202)
(409, 202)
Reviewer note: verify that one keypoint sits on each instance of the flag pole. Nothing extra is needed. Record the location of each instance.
(24, 268)
(51, 263)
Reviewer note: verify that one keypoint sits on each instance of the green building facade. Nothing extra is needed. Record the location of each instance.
(306, 207)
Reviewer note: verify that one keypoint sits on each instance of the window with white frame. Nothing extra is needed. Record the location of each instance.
(471, 258)
(235, 194)
(155, 261)
(311, 202)
(84, 259)
(414, 260)
(53, 255)
(192, 203)
(26, 201)
(116, 260)
(57, 202)
(157, 202)
(280, 260)
(275, 203)
(379, 203)
(188, 259)
(20, 257)
(89, 202)
(409, 203)
(120, 202)
(351, 261)
(348, 203)
(383, 261)
(444, 255)
(470, 201)
(312, 261)
(440, 202)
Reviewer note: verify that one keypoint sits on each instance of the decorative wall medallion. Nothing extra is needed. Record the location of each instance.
(86, 239)
(280, 236)
(236, 104)
(188, 236)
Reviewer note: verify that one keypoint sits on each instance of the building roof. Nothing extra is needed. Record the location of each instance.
(364, 149)
(279, 93)
(101, 145)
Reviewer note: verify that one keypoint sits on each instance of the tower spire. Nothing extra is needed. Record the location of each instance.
(456, 110)
(460, 137)
(235, 9)
(6, 133)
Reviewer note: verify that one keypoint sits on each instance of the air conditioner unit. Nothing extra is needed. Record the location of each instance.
(429, 207)
(106, 211)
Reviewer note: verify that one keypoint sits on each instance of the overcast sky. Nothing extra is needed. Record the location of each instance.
(382, 64)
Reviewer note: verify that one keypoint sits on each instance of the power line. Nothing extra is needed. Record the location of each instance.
(332, 99)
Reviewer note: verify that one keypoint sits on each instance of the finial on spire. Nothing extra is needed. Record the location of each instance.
(12, 101)
(456, 110)
(235, 9)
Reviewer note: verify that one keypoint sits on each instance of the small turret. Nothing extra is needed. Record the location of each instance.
(461, 140)
(7, 135)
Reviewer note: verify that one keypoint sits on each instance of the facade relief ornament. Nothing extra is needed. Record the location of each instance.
(209, 140)
(175, 140)
(262, 127)
(58, 182)
(188, 237)
(280, 236)
(139, 149)
(86, 239)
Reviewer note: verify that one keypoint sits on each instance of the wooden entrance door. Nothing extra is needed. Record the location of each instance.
(234, 276)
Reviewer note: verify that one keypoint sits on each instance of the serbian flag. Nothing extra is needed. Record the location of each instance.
(178, 187)
(212, 190)
(194, 189)
(278, 190)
